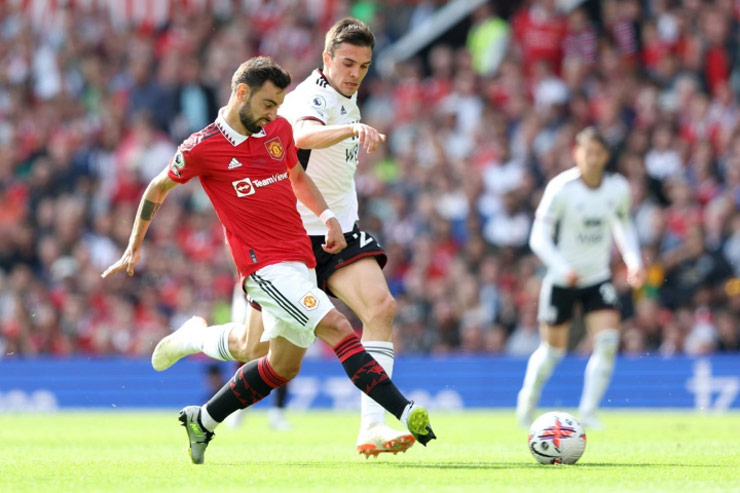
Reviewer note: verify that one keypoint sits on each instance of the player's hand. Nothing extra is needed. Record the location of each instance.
(127, 262)
(571, 278)
(369, 137)
(335, 241)
(636, 278)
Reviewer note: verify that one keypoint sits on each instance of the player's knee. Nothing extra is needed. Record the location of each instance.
(242, 350)
(333, 327)
(256, 352)
(552, 354)
(383, 309)
(606, 342)
(555, 337)
(241, 354)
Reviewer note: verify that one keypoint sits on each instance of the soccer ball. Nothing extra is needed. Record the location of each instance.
(557, 438)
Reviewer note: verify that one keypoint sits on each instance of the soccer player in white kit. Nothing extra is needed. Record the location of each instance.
(326, 124)
(588, 207)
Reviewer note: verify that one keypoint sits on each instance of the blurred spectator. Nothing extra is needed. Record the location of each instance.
(539, 31)
(728, 332)
(581, 39)
(487, 40)
(689, 268)
(510, 226)
(662, 160)
(526, 337)
(702, 338)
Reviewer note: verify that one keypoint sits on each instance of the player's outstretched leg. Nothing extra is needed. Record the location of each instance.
(362, 286)
(369, 377)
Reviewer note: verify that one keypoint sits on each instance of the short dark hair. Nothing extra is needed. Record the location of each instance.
(591, 133)
(258, 70)
(349, 30)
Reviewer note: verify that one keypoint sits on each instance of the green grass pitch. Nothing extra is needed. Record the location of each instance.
(476, 451)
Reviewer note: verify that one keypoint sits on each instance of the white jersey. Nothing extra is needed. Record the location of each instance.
(333, 168)
(585, 218)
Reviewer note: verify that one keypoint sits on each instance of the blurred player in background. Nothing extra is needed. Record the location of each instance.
(247, 164)
(326, 123)
(583, 207)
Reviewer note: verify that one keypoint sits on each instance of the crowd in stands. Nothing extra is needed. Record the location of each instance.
(92, 106)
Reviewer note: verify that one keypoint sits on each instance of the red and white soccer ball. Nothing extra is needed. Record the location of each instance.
(557, 438)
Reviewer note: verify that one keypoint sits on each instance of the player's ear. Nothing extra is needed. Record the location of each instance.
(327, 58)
(242, 92)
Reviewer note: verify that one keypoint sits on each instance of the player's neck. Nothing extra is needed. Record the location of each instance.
(231, 115)
(592, 180)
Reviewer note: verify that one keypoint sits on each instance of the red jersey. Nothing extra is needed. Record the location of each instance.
(246, 178)
(540, 37)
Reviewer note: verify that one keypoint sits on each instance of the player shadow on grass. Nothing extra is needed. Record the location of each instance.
(479, 465)
(466, 465)
(529, 465)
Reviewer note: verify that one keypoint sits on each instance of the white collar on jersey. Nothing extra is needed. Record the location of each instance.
(234, 137)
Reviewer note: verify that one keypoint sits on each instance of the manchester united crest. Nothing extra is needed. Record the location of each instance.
(275, 148)
(309, 301)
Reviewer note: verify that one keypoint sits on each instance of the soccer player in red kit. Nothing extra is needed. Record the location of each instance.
(246, 162)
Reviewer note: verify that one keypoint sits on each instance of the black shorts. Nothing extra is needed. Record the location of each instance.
(557, 303)
(360, 244)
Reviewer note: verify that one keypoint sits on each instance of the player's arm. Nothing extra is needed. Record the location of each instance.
(307, 192)
(152, 199)
(625, 235)
(542, 244)
(312, 134)
(541, 237)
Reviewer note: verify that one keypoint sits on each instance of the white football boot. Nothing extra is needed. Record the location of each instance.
(381, 438)
(177, 345)
(591, 422)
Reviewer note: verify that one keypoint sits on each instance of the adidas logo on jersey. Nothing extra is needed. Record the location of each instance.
(343, 111)
(234, 163)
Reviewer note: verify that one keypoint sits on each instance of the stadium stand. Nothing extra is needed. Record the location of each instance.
(95, 94)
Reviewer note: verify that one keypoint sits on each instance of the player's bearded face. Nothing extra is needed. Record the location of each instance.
(252, 123)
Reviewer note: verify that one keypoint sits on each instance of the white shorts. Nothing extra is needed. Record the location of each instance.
(292, 304)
